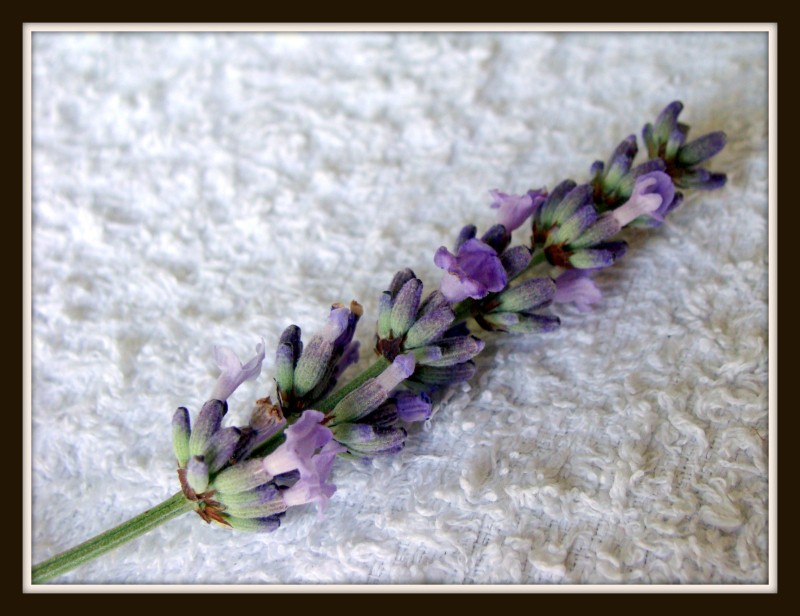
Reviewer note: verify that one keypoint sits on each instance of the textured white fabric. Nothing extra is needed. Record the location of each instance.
(191, 190)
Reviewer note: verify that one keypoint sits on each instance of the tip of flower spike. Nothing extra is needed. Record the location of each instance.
(701, 149)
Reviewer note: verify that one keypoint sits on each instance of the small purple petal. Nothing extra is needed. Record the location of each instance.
(301, 451)
(234, 373)
(313, 486)
(456, 289)
(652, 195)
(303, 438)
(577, 287)
(474, 272)
(514, 210)
(402, 368)
(336, 325)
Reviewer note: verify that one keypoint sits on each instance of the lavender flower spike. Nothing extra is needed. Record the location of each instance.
(234, 373)
(514, 210)
(575, 286)
(474, 272)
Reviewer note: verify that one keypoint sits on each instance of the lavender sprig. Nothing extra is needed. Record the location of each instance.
(247, 477)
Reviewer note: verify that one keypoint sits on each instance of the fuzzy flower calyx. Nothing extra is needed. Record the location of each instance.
(666, 140)
(306, 373)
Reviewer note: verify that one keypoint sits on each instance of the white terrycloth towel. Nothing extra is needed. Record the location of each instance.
(201, 189)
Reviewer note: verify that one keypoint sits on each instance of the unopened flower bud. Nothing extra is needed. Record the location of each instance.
(208, 422)
(181, 432)
(197, 474)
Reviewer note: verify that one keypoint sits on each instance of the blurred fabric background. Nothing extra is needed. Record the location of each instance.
(197, 189)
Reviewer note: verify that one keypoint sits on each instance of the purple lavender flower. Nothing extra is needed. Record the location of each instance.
(309, 449)
(474, 272)
(303, 439)
(577, 287)
(234, 373)
(314, 488)
(514, 210)
(653, 194)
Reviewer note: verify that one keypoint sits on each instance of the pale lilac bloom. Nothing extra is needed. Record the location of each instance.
(309, 449)
(652, 195)
(514, 210)
(313, 488)
(575, 286)
(400, 369)
(474, 272)
(234, 373)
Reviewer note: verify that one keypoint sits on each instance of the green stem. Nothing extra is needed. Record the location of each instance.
(127, 531)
